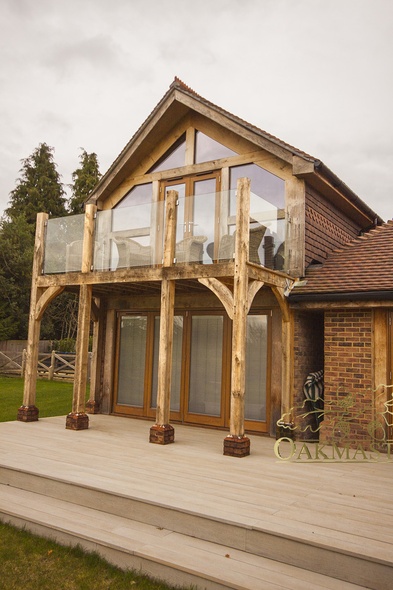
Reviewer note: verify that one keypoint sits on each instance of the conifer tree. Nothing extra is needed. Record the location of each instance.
(38, 189)
(84, 179)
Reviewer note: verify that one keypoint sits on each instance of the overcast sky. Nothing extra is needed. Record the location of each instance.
(87, 73)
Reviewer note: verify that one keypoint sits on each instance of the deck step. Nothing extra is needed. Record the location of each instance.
(179, 559)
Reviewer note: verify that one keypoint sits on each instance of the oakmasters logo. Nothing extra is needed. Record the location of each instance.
(348, 429)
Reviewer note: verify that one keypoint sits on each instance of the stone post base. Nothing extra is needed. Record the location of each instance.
(92, 407)
(235, 446)
(162, 434)
(27, 414)
(76, 421)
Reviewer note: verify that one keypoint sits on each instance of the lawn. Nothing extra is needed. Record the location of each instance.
(29, 562)
(54, 398)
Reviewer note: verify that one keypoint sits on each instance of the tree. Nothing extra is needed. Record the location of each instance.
(38, 189)
(84, 179)
(16, 254)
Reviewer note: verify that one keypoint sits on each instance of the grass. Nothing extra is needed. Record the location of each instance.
(54, 398)
(33, 563)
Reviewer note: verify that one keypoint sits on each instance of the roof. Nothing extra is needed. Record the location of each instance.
(177, 83)
(180, 99)
(360, 268)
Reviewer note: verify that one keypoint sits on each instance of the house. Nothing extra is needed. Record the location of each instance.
(186, 260)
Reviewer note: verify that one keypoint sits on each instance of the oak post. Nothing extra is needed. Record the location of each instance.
(78, 419)
(286, 365)
(93, 404)
(28, 412)
(236, 444)
(162, 432)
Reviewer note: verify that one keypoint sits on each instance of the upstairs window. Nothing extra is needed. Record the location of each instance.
(175, 157)
(207, 149)
(264, 184)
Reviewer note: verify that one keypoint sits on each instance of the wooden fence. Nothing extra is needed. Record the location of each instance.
(51, 365)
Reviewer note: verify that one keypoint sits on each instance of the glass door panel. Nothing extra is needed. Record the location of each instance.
(176, 363)
(256, 368)
(181, 227)
(132, 356)
(204, 396)
(203, 211)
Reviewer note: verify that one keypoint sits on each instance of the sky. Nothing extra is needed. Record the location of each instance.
(86, 74)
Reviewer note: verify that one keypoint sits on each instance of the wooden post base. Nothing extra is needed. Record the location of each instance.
(27, 414)
(162, 434)
(235, 446)
(92, 407)
(76, 421)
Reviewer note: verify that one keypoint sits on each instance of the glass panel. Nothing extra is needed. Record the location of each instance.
(181, 190)
(176, 362)
(256, 363)
(130, 236)
(206, 365)
(267, 214)
(263, 183)
(204, 214)
(63, 244)
(175, 157)
(207, 149)
(142, 193)
(132, 361)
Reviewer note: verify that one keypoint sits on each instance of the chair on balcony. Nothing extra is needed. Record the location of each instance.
(132, 253)
(226, 249)
(190, 249)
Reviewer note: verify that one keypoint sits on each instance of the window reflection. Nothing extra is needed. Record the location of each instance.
(175, 157)
(207, 149)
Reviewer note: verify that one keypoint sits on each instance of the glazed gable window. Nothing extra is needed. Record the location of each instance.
(175, 157)
(264, 184)
(207, 149)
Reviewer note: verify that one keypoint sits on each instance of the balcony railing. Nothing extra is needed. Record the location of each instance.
(127, 237)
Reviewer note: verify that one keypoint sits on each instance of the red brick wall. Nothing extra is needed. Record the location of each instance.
(326, 227)
(308, 349)
(348, 375)
(308, 353)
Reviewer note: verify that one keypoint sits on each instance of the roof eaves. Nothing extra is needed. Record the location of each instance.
(385, 295)
(340, 185)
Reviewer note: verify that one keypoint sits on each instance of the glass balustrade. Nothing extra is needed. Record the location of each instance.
(128, 237)
(63, 244)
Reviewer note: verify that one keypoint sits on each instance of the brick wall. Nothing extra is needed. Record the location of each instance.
(326, 227)
(348, 376)
(308, 352)
(308, 349)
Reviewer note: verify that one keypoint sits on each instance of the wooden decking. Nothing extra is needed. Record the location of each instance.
(188, 514)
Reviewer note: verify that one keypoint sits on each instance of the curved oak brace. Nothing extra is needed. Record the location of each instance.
(222, 292)
(47, 296)
(253, 289)
(279, 293)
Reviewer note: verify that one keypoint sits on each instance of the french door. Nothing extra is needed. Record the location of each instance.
(200, 390)
(198, 209)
